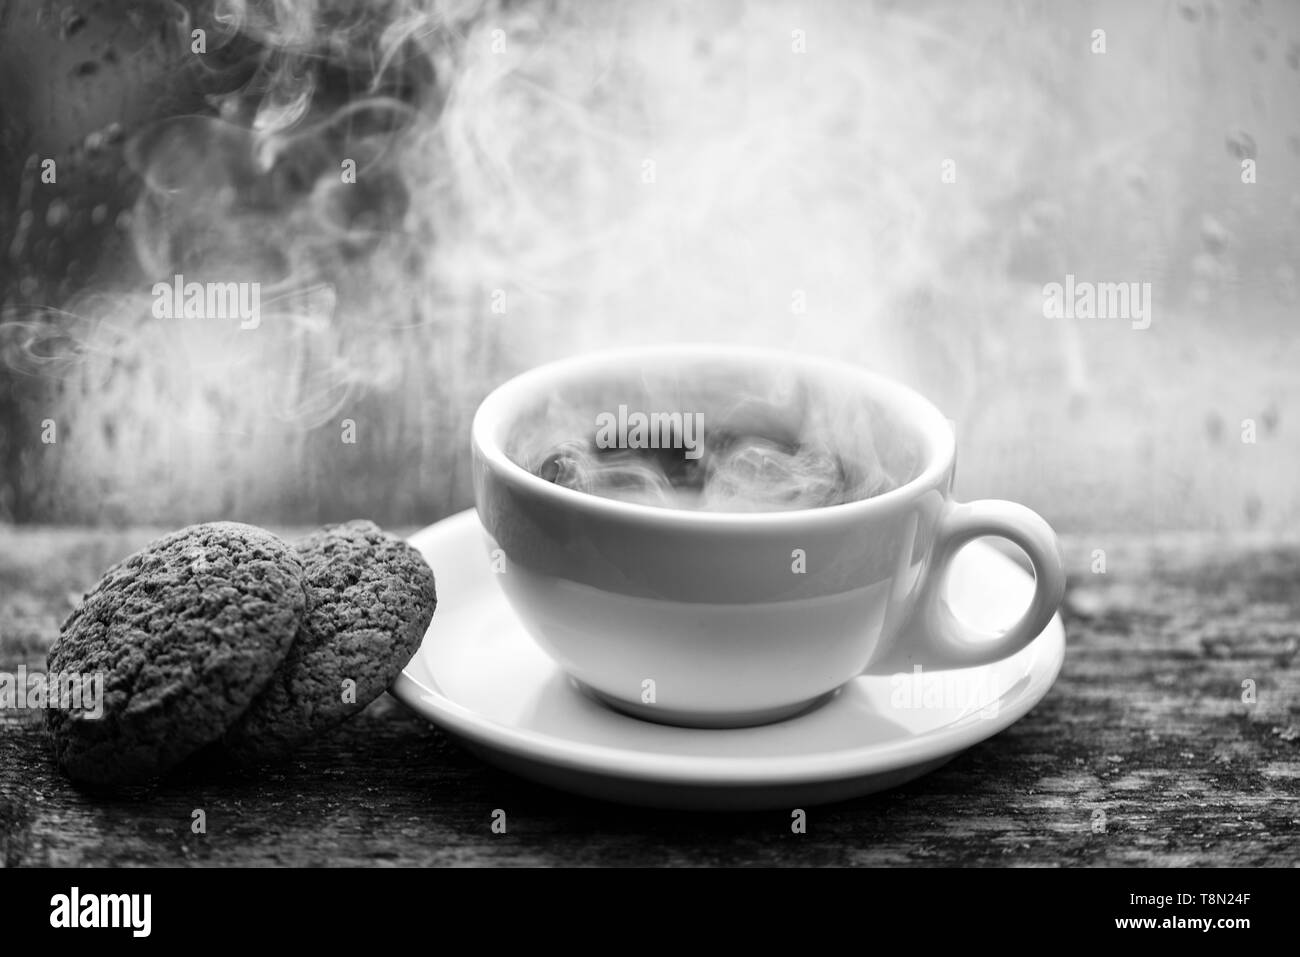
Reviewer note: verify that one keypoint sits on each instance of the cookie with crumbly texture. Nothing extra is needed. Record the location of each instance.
(370, 598)
(185, 634)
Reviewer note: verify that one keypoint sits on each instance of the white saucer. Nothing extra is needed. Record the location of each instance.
(480, 677)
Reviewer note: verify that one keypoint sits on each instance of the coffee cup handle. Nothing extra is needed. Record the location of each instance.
(948, 641)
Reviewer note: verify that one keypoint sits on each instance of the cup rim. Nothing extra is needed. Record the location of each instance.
(933, 428)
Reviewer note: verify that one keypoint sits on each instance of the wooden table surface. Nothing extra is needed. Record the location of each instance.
(1144, 752)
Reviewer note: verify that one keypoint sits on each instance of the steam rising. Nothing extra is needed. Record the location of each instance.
(533, 179)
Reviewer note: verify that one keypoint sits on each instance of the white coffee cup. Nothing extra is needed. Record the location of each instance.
(702, 618)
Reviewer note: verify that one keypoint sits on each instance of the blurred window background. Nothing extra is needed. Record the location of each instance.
(893, 184)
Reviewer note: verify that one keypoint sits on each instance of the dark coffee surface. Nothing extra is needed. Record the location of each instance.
(747, 473)
(738, 444)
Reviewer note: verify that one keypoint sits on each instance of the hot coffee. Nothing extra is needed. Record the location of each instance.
(733, 447)
(739, 603)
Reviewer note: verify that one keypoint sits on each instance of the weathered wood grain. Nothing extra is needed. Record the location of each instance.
(1143, 753)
